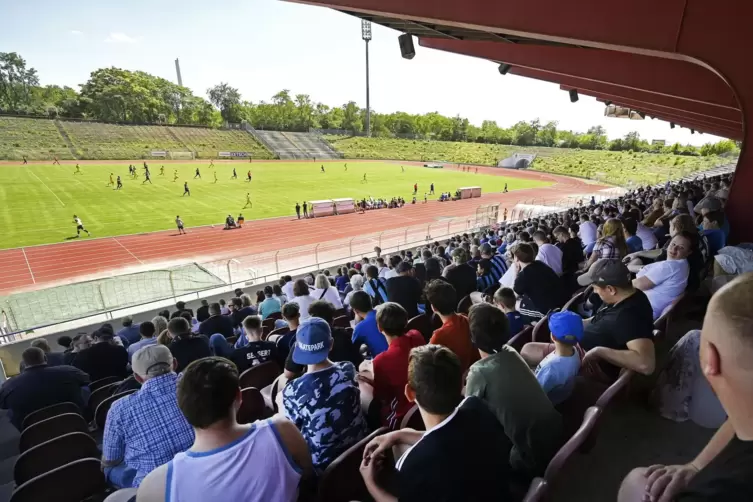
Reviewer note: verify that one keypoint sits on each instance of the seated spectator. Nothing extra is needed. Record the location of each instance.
(460, 274)
(484, 279)
(619, 335)
(324, 403)
(538, 286)
(147, 332)
(146, 429)
(389, 369)
(504, 299)
(647, 237)
(217, 323)
(611, 245)
(497, 261)
(242, 307)
(549, 254)
(40, 385)
(254, 352)
(503, 380)
(286, 283)
(160, 324)
(722, 471)
(454, 332)
(664, 281)
(572, 257)
(375, 286)
(224, 309)
(284, 342)
(343, 348)
(270, 305)
(712, 230)
(461, 454)
(342, 278)
(264, 461)
(556, 372)
(366, 331)
(356, 285)
(78, 343)
(66, 342)
(633, 242)
(185, 347)
(180, 308)
(104, 358)
(405, 289)
(587, 231)
(129, 333)
(278, 294)
(302, 296)
(202, 313)
(326, 292)
(395, 260)
(381, 267)
(53, 358)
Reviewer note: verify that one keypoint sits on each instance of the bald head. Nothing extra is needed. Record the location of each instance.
(730, 307)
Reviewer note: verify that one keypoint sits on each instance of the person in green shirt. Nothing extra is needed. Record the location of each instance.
(508, 386)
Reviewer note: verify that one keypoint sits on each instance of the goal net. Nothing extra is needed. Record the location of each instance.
(181, 155)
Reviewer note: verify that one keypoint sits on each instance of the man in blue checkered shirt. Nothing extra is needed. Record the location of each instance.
(146, 429)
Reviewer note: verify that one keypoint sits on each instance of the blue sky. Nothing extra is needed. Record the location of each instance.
(263, 46)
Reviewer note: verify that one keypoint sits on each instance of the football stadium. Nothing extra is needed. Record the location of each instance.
(207, 294)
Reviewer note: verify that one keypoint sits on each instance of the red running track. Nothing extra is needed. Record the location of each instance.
(36, 267)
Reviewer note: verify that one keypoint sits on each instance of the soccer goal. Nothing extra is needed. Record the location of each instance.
(181, 155)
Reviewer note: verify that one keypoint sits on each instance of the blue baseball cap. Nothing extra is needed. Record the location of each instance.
(312, 341)
(566, 327)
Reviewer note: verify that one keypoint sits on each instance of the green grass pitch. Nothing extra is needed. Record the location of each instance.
(39, 201)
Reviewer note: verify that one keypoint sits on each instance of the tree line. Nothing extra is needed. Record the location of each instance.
(117, 95)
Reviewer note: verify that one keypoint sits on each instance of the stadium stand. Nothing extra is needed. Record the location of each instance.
(296, 145)
(207, 142)
(623, 348)
(31, 138)
(99, 141)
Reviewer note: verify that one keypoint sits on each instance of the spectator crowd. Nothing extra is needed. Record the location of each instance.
(429, 333)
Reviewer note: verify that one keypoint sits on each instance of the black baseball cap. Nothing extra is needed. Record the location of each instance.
(606, 272)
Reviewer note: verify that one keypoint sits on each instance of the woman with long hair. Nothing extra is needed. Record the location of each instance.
(611, 244)
(326, 291)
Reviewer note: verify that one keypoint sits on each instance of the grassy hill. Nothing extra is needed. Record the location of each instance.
(42, 139)
(618, 168)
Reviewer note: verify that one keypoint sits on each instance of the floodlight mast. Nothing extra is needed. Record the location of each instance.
(366, 36)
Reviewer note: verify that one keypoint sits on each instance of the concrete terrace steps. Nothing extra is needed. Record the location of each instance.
(67, 140)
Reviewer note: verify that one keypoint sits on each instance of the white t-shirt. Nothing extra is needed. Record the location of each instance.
(304, 302)
(287, 289)
(587, 232)
(389, 274)
(647, 237)
(383, 271)
(670, 278)
(331, 295)
(552, 256)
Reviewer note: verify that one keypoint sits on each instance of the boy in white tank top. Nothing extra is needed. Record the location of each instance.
(263, 461)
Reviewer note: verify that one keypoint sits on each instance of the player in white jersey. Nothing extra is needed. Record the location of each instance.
(79, 226)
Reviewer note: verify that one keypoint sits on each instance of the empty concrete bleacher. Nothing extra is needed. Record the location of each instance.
(206, 143)
(95, 140)
(33, 138)
(296, 145)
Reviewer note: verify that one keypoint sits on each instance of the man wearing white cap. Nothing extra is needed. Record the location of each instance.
(145, 429)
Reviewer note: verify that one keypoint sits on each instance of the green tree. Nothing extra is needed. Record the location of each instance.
(351, 120)
(227, 99)
(16, 82)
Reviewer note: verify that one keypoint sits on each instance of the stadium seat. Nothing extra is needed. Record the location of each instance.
(577, 299)
(341, 480)
(275, 316)
(268, 324)
(522, 338)
(100, 415)
(49, 412)
(413, 420)
(232, 340)
(100, 395)
(73, 482)
(662, 323)
(340, 312)
(260, 376)
(615, 389)
(464, 305)
(541, 331)
(540, 487)
(341, 322)
(103, 381)
(51, 428)
(52, 454)
(252, 406)
(370, 407)
(425, 324)
(279, 331)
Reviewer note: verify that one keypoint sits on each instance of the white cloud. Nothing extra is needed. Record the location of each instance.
(76, 32)
(121, 38)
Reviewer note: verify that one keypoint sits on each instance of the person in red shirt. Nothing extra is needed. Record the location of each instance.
(455, 334)
(389, 369)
